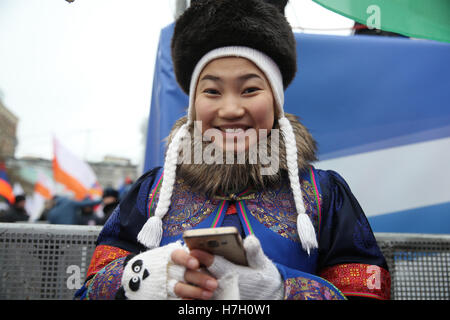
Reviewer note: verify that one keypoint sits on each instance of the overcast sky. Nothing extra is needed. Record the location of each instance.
(83, 71)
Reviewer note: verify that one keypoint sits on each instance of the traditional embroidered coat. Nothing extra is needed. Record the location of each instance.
(347, 263)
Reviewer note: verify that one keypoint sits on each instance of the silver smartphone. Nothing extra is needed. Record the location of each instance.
(223, 241)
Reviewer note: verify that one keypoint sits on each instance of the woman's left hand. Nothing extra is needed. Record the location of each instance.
(198, 284)
(260, 280)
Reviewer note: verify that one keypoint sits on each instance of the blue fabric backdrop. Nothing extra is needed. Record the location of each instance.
(363, 98)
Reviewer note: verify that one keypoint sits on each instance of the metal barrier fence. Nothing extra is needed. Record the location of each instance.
(47, 262)
(419, 265)
(42, 261)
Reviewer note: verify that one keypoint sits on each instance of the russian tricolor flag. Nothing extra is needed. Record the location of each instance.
(75, 174)
(6, 190)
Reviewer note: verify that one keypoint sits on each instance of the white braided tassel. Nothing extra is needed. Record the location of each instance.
(306, 232)
(305, 228)
(151, 233)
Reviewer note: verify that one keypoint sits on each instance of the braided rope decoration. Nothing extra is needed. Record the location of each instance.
(305, 227)
(151, 233)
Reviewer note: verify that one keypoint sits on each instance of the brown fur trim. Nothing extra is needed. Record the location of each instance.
(219, 179)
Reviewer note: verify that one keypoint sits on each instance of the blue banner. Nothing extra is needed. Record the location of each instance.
(379, 108)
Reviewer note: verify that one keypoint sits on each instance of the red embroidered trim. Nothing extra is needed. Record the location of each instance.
(102, 256)
(231, 209)
(357, 279)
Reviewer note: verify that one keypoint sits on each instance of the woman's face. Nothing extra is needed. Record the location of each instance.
(233, 100)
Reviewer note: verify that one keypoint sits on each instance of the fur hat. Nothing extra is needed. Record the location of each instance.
(280, 4)
(251, 29)
(211, 24)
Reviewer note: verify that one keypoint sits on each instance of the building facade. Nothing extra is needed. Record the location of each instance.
(8, 132)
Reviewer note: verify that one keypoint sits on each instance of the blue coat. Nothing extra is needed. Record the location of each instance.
(66, 210)
(342, 265)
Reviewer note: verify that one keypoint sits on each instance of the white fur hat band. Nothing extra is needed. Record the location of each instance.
(262, 61)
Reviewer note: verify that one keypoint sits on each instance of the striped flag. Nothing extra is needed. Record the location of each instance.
(5, 187)
(75, 174)
(43, 190)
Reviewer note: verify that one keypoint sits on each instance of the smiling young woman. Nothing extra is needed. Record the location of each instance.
(233, 97)
(305, 235)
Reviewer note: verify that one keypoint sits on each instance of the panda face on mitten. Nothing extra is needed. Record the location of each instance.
(137, 275)
(147, 275)
(140, 274)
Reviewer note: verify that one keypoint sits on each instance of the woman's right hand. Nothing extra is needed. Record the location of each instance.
(199, 284)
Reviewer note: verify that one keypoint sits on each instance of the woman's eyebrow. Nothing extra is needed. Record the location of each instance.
(248, 76)
(210, 77)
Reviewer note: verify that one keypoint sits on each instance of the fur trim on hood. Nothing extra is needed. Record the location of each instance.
(220, 179)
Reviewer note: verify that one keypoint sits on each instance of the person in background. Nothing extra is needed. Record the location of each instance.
(65, 210)
(110, 202)
(48, 205)
(16, 212)
(86, 216)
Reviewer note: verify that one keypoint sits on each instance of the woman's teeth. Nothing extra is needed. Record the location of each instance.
(233, 130)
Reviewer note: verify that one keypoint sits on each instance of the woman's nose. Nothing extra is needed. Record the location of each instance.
(231, 108)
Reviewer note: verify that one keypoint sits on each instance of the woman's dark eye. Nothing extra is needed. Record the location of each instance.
(250, 90)
(211, 91)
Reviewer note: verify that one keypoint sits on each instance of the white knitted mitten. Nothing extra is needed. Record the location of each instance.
(152, 275)
(259, 281)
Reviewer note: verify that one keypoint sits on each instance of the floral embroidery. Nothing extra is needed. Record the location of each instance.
(106, 282)
(275, 209)
(355, 279)
(102, 256)
(187, 209)
(308, 289)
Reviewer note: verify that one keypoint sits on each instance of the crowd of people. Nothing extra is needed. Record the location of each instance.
(65, 210)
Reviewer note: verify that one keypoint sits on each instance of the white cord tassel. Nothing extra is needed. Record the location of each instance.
(306, 232)
(151, 233)
(305, 227)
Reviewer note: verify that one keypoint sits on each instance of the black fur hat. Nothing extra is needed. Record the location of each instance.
(211, 24)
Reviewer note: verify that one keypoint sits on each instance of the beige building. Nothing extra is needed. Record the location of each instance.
(8, 129)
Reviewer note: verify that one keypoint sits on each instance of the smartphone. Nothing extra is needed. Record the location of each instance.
(222, 241)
